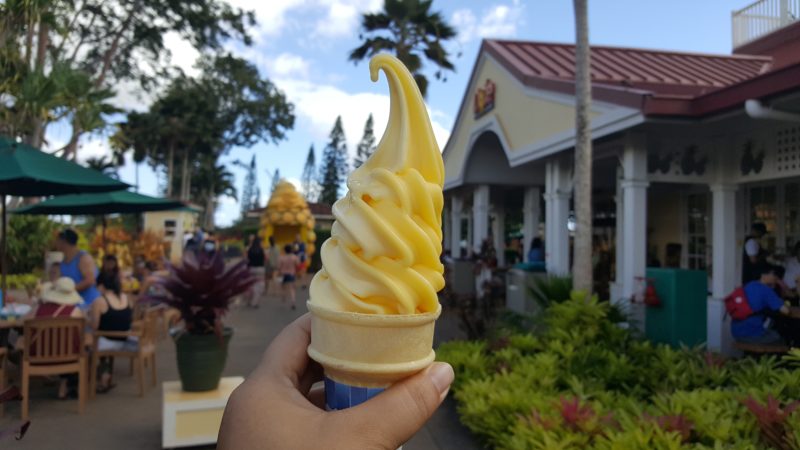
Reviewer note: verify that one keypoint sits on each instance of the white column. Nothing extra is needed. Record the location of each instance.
(498, 235)
(447, 230)
(617, 296)
(724, 256)
(530, 217)
(557, 195)
(634, 211)
(480, 216)
(456, 205)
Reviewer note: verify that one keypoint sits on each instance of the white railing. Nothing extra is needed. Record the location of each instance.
(762, 18)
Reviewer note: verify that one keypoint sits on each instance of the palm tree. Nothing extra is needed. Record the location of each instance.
(582, 266)
(410, 30)
(107, 165)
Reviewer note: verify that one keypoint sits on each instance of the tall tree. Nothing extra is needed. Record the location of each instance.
(309, 172)
(367, 144)
(197, 120)
(249, 189)
(98, 44)
(276, 178)
(334, 164)
(257, 199)
(582, 266)
(410, 30)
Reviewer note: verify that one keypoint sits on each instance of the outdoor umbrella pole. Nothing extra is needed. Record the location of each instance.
(3, 258)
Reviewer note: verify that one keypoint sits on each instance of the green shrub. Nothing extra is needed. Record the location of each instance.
(581, 381)
(29, 237)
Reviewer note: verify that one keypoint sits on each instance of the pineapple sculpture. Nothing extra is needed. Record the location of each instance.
(286, 216)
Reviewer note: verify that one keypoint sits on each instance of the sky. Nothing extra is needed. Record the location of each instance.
(302, 47)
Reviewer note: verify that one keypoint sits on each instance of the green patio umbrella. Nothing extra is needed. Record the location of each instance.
(117, 202)
(121, 202)
(29, 172)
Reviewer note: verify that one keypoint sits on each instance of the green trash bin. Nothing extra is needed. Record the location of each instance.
(681, 317)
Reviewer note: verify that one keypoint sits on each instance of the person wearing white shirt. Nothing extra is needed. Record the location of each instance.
(752, 255)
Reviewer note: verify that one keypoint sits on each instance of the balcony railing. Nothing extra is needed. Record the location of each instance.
(762, 18)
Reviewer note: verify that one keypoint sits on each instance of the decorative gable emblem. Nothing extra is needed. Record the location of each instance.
(484, 98)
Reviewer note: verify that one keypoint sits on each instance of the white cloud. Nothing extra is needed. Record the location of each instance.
(497, 21)
(286, 65)
(342, 17)
(318, 105)
(271, 14)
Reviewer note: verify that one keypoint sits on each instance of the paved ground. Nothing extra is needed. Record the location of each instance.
(122, 420)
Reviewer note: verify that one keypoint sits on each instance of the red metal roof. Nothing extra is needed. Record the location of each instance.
(660, 72)
(657, 82)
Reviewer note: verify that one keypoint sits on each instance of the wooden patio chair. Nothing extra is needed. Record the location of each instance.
(144, 356)
(54, 346)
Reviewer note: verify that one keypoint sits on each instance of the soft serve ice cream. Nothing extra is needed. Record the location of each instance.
(383, 253)
(373, 305)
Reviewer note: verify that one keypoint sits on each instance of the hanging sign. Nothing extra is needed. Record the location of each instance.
(484, 99)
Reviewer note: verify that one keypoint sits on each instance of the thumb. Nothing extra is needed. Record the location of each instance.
(392, 417)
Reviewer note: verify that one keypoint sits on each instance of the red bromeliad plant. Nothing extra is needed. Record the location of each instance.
(202, 289)
(771, 420)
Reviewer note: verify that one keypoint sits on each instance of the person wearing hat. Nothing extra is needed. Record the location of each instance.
(59, 299)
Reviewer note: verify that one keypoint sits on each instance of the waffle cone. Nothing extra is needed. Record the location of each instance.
(371, 350)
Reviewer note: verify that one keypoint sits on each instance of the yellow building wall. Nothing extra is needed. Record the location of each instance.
(523, 119)
(184, 221)
(664, 222)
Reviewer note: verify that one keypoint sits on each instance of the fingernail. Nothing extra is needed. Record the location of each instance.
(441, 375)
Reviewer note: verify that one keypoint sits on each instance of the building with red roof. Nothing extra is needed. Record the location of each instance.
(690, 150)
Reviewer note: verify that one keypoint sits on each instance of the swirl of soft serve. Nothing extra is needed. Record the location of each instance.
(383, 253)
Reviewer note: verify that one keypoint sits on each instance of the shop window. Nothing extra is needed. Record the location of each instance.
(764, 209)
(697, 236)
(169, 228)
(791, 227)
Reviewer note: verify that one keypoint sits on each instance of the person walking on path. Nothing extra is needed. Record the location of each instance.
(287, 267)
(255, 262)
(273, 255)
(79, 266)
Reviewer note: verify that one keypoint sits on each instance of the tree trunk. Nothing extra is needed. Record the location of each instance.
(185, 176)
(582, 257)
(170, 169)
(211, 207)
(41, 46)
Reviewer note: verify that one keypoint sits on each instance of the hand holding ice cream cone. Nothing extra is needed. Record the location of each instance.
(375, 301)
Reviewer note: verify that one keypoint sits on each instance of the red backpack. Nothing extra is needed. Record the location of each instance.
(737, 306)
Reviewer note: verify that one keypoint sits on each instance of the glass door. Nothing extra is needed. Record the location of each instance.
(697, 231)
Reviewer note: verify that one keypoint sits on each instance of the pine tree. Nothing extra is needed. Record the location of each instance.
(334, 165)
(307, 180)
(367, 144)
(250, 184)
(257, 199)
(275, 180)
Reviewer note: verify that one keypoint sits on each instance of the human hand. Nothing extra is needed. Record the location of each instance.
(276, 407)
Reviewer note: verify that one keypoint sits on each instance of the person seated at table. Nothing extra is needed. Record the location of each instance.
(763, 301)
(112, 312)
(109, 269)
(536, 252)
(59, 299)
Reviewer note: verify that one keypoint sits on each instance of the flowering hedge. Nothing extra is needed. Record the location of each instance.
(580, 381)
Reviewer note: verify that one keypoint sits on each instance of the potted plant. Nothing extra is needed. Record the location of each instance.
(202, 289)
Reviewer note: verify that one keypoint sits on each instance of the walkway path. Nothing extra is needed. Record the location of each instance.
(123, 421)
